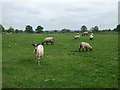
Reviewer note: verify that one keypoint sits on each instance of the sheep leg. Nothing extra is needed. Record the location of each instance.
(35, 59)
(47, 43)
(51, 42)
(38, 60)
(83, 49)
(80, 48)
(86, 49)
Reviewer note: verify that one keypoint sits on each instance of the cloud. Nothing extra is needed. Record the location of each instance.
(58, 15)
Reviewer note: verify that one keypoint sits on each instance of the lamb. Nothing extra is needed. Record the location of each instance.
(38, 51)
(84, 33)
(85, 45)
(48, 40)
(77, 37)
(91, 37)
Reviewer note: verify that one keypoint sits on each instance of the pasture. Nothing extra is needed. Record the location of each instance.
(63, 66)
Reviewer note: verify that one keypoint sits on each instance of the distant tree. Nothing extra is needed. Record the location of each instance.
(76, 31)
(39, 29)
(83, 28)
(21, 31)
(2, 29)
(46, 31)
(18, 31)
(96, 29)
(55, 31)
(10, 30)
(29, 29)
(65, 30)
(109, 29)
(117, 28)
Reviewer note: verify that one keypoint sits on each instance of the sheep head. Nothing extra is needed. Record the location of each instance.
(35, 45)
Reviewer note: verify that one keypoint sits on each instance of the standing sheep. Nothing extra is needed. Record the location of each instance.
(91, 37)
(85, 45)
(48, 40)
(84, 33)
(38, 51)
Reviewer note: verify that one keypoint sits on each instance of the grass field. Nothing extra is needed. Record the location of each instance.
(63, 66)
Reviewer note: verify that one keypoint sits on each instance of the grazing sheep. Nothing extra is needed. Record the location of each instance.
(76, 37)
(91, 37)
(38, 51)
(48, 40)
(86, 46)
(84, 33)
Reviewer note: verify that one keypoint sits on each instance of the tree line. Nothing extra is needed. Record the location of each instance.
(39, 29)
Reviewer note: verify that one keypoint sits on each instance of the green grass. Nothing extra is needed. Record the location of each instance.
(63, 66)
(0, 61)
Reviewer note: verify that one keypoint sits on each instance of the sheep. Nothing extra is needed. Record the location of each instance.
(84, 33)
(91, 33)
(85, 45)
(38, 51)
(48, 40)
(77, 33)
(76, 37)
(91, 37)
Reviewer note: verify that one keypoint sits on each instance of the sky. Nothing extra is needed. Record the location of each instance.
(59, 14)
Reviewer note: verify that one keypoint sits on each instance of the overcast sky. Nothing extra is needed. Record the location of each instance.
(59, 14)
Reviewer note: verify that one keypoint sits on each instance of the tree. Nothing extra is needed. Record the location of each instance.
(29, 29)
(10, 30)
(76, 31)
(117, 28)
(39, 29)
(96, 29)
(46, 31)
(109, 29)
(55, 31)
(65, 30)
(83, 28)
(2, 29)
(21, 31)
(16, 31)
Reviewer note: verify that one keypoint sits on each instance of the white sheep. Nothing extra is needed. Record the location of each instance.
(76, 37)
(77, 33)
(92, 34)
(91, 37)
(84, 33)
(85, 45)
(48, 40)
(38, 51)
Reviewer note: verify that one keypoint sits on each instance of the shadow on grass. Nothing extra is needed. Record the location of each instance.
(75, 51)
